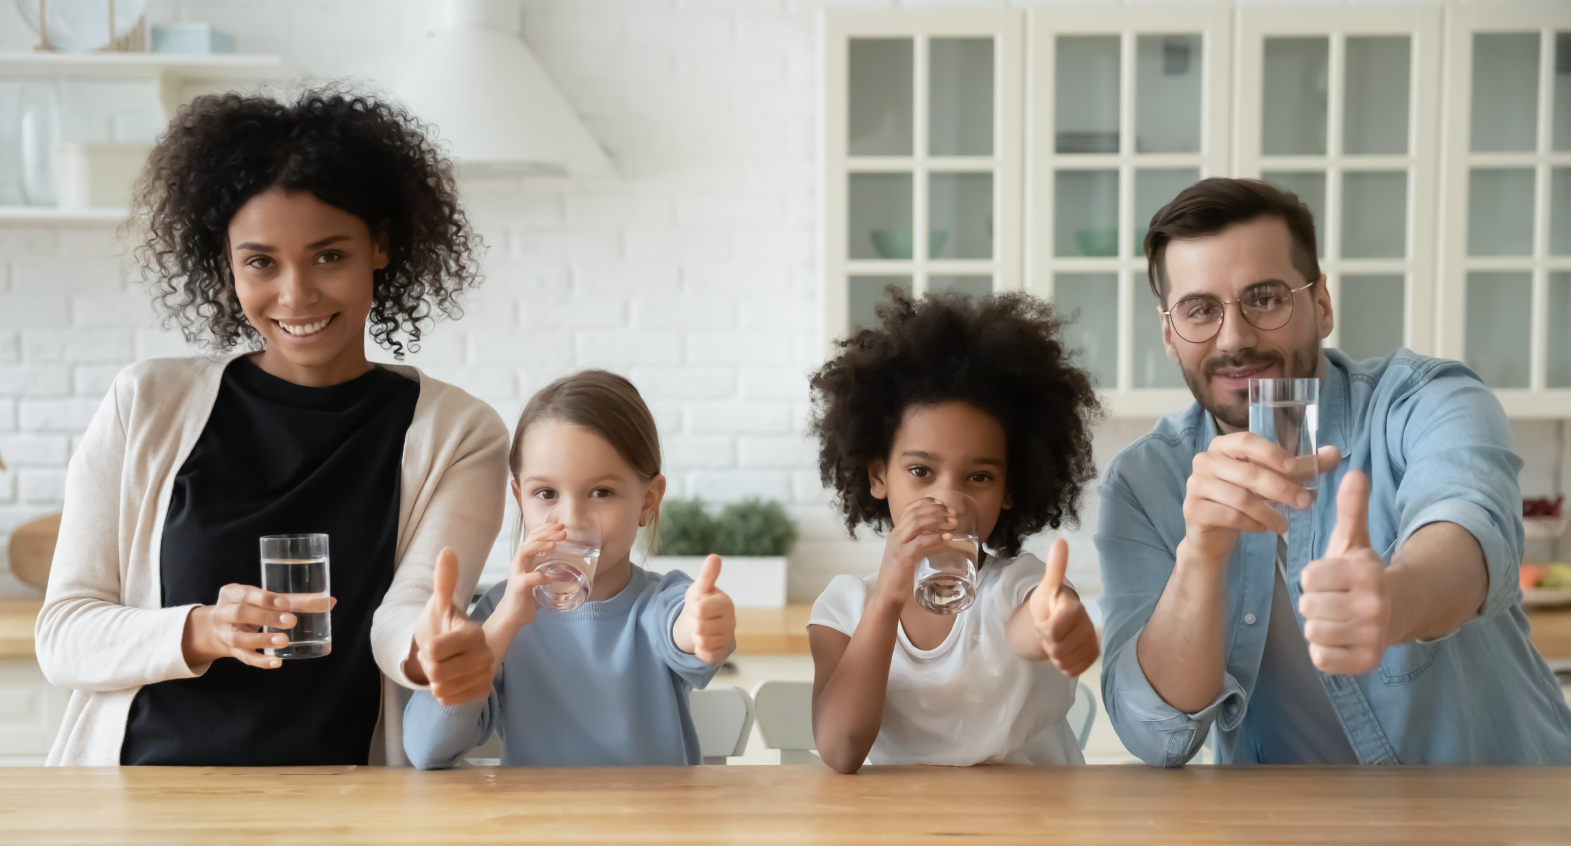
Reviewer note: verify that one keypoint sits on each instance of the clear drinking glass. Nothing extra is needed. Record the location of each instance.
(1287, 413)
(570, 566)
(946, 581)
(296, 566)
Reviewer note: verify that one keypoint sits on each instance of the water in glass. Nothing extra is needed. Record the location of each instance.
(303, 581)
(1287, 413)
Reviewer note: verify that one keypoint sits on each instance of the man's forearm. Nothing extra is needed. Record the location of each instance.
(1181, 648)
(1437, 581)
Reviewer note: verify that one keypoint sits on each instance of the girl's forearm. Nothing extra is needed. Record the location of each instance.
(851, 707)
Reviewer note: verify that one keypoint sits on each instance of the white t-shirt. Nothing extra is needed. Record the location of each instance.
(971, 699)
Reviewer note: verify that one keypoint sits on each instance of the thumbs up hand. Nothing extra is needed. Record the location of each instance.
(449, 651)
(1346, 607)
(707, 625)
(1063, 628)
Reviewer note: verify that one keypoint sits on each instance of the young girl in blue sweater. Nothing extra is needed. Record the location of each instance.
(606, 683)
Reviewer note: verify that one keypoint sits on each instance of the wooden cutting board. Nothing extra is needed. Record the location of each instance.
(32, 549)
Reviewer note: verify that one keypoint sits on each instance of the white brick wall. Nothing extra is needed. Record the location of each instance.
(694, 271)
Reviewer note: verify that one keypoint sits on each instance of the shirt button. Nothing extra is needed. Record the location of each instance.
(1249, 619)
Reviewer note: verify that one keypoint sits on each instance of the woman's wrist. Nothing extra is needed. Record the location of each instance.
(196, 641)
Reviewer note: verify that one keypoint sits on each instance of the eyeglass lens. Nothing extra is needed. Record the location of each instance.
(1266, 306)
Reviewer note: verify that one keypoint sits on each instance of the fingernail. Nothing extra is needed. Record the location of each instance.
(273, 663)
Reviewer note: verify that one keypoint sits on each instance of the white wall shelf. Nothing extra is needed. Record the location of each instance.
(175, 74)
(52, 216)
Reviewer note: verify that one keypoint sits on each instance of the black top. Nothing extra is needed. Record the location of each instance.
(279, 458)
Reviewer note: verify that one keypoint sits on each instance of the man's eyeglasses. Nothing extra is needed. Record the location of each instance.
(1266, 305)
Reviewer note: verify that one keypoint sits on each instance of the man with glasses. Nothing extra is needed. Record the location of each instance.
(1378, 624)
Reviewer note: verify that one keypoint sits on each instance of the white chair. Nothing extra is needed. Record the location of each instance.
(785, 719)
(723, 717)
(1082, 714)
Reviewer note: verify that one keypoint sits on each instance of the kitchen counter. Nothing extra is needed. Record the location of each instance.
(759, 631)
(16, 626)
(807, 804)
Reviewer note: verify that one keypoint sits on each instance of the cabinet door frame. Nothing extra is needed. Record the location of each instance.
(1006, 27)
(1535, 401)
(1214, 23)
(1425, 26)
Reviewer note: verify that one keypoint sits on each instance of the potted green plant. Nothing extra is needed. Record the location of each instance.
(753, 536)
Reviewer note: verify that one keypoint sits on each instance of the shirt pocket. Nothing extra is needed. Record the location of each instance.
(1402, 664)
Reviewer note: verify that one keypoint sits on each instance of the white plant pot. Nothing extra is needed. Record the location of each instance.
(750, 581)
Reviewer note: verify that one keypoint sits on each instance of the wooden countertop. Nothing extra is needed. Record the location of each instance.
(1552, 632)
(759, 631)
(715, 804)
(16, 626)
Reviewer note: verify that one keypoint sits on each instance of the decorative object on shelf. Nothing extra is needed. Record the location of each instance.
(85, 26)
(197, 38)
(39, 113)
(1545, 583)
(97, 176)
(1100, 241)
(896, 243)
(495, 107)
(1543, 518)
(753, 536)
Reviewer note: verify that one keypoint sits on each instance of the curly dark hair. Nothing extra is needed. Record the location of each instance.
(999, 353)
(369, 158)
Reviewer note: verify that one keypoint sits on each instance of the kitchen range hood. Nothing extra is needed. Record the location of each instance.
(492, 103)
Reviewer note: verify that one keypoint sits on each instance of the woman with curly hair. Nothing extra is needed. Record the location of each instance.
(289, 230)
(953, 395)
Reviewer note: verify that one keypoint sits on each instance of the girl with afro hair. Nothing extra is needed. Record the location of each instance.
(278, 235)
(975, 396)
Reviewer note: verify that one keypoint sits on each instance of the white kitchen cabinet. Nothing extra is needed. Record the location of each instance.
(1505, 294)
(922, 157)
(1432, 143)
(1125, 109)
(30, 712)
(1342, 108)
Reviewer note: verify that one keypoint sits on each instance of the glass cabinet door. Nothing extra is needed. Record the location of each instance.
(1506, 310)
(1327, 110)
(1126, 112)
(922, 158)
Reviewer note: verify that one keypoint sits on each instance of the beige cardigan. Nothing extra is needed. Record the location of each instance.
(102, 631)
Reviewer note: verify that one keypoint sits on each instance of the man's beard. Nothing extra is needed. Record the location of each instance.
(1236, 412)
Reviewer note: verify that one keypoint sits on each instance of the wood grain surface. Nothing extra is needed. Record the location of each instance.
(1552, 632)
(713, 804)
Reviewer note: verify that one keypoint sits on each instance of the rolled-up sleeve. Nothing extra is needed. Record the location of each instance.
(1458, 467)
(1136, 564)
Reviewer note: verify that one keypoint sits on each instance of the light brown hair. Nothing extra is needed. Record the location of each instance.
(1211, 205)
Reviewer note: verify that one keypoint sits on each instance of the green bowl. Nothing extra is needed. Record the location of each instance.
(896, 243)
(1102, 241)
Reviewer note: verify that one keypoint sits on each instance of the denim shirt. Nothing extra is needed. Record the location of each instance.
(1436, 446)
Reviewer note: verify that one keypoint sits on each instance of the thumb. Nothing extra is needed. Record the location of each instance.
(444, 580)
(1352, 515)
(1057, 565)
(707, 578)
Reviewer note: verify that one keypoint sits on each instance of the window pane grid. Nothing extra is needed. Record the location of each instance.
(1362, 201)
(1518, 216)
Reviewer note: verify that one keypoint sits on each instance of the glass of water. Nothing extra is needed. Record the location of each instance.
(1287, 413)
(295, 567)
(946, 581)
(570, 566)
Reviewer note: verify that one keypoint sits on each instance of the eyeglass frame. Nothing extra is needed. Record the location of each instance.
(1292, 300)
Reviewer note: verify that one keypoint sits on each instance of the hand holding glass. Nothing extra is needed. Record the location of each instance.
(946, 581)
(1286, 412)
(570, 566)
(296, 568)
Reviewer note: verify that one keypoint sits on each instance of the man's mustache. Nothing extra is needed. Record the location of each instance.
(1248, 358)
